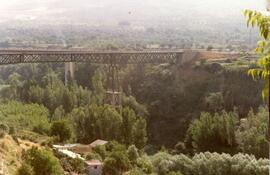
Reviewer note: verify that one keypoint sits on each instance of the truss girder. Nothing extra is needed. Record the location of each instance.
(14, 57)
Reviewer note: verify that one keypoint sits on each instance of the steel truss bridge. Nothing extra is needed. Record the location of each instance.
(116, 57)
(112, 59)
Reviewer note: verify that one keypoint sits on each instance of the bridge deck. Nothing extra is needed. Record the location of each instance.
(107, 57)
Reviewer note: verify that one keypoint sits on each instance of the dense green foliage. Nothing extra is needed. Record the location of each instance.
(116, 161)
(213, 132)
(174, 95)
(225, 132)
(81, 108)
(160, 96)
(61, 130)
(43, 162)
(210, 164)
(133, 153)
(162, 106)
(118, 158)
(76, 165)
(251, 135)
(48, 90)
(24, 116)
(109, 124)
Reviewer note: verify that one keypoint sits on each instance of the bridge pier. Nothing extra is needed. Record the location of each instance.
(113, 94)
(69, 72)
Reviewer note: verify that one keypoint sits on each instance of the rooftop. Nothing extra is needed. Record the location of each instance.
(93, 162)
(71, 154)
(98, 143)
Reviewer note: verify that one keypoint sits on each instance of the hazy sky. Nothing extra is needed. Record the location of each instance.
(35, 9)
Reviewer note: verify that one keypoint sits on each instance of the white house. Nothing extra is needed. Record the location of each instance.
(94, 167)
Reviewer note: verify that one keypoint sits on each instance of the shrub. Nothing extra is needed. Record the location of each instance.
(43, 162)
(25, 169)
(41, 129)
(12, 130)
(94, 156)
(133, 154)
(251, 135)
(4, 129)
(117, 161)
(77, 165)
(214, 102)
(47, 142)
(70, 164)
(62, 130)
(145, 164)
(180, 147)
(65, 163)
(100, 150)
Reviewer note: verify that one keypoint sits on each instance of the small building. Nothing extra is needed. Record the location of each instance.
(70, 154)
(66, 146)
(81, 149)
(93, 167)
(77, 148)
(98, 143)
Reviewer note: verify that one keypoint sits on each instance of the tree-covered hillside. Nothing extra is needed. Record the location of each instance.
(191, 108)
